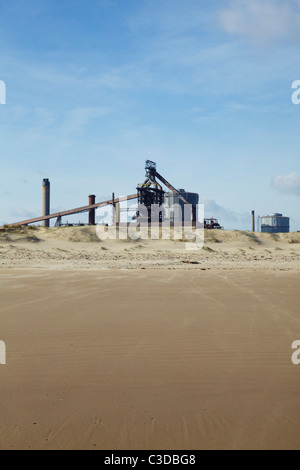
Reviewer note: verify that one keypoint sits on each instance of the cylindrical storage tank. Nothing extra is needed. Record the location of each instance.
(275, 223)
(172, 201)
(46, 201)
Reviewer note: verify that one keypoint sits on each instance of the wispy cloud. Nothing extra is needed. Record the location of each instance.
(262, 21)
(170, 17)
(287, 184)
(22, 214)
(227, 217)
(78, 119)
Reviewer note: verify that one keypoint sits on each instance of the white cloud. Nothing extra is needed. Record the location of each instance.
(262, 21)
(22, 214)
(172, 17)
(226, 217)
(287, 184)
(79, 118)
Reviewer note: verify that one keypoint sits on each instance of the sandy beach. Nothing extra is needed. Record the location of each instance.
(128, 128)
(145, 345)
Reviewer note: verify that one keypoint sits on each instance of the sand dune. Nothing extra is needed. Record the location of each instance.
(143, 345)
(79, 247)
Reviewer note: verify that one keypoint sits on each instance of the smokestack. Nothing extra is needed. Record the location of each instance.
(117, 206)
(46, 201)
(116, 211)
(92, 212)
(253, 221)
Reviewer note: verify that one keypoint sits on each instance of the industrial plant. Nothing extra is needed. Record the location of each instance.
(275, 223)
(154, 204)
(173, 205)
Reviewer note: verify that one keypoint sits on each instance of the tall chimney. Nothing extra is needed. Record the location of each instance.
(46, 201)
(92, 199)
(117, 206)
(253, 221)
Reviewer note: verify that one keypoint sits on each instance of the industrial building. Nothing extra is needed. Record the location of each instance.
(175, 207)
(275, 223)
(149, 194)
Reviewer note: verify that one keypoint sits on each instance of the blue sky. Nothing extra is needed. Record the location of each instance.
(203, 88)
